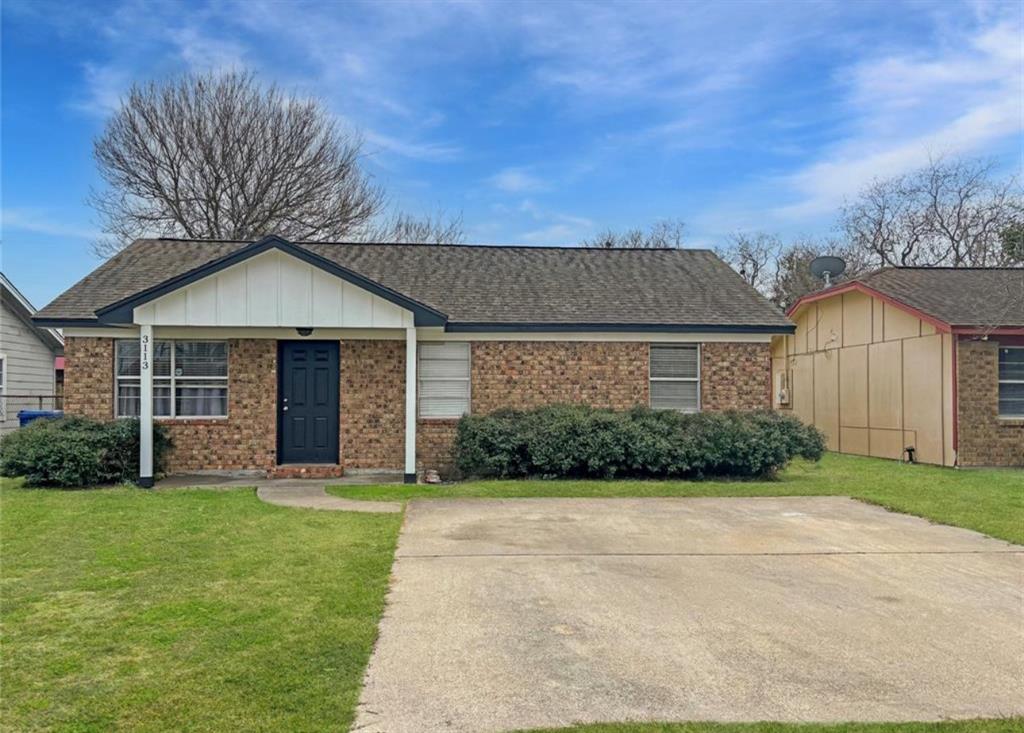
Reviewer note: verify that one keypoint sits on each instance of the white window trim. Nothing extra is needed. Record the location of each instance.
(1007, 381)
(420, 380)
(696, 379)
(170, 382)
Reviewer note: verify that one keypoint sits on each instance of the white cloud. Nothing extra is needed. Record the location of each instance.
(42, 221)
(517, 180)
(961, 100)
(433, 152)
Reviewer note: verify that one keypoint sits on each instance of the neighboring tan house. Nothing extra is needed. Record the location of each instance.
(28, 359)
(924, 357)
(317, 358)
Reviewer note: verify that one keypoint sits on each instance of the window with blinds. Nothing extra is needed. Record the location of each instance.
(190, 378)
(1011, 382)
(443, 372)
(675, 377)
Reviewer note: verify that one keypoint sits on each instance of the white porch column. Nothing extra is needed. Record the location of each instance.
(410, 405)
(146, 407)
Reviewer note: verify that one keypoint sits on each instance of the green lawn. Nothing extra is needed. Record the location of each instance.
(989, 501)
(187, 610)
(202, 610)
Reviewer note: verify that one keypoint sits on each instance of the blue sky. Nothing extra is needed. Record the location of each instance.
(542, 122)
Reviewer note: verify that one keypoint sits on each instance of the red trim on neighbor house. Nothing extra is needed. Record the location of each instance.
(940, 325)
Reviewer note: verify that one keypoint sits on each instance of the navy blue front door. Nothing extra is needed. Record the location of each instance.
(307, 402)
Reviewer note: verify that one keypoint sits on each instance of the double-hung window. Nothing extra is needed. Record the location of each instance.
(1011, 381)
(190, 378)
(443, 379)
(675, 377)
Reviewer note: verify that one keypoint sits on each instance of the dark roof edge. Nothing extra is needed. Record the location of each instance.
(467, 327)
(121, 311)
(523, 327)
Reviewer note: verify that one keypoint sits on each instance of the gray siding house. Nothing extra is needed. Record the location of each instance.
(27, 358)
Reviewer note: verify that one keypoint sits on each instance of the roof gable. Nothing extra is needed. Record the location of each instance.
(948, 298)
(124, 311)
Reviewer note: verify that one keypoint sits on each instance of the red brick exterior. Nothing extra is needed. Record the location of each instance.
(247, 439)
(525, 374)
(984, 438)
(516, 374)
(735, 376)
(89, 377)
(372, 425)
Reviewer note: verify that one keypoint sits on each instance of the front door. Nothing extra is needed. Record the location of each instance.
(307, 410)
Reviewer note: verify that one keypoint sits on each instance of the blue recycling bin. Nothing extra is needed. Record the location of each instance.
(27, 416)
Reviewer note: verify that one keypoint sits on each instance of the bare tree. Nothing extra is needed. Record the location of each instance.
(791, 275)
(403, 228)
(752, 255)
(664, 234)
(220, 156)
(951, 212)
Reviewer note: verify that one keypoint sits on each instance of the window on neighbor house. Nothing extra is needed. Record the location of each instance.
(675, 377)
(190, 378)
(1011, 381)
(443, 379)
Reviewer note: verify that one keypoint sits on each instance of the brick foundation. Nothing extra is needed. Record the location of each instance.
(505, 374)
(984, 438)
(735, 376)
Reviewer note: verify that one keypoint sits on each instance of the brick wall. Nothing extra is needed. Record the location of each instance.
(372, 392)
(735, 376)
(89, 377)
(984, 439)
(247, 439)
(372, 429)
(525, 374)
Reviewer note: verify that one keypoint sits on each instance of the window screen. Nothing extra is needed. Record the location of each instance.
(443, 379)
(675, 377)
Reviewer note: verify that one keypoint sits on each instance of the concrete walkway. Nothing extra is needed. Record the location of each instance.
(297, 493)
(308, 494)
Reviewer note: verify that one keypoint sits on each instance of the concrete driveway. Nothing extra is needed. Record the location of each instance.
(524, 613)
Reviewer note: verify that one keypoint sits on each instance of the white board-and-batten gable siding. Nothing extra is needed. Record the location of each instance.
(273, 289)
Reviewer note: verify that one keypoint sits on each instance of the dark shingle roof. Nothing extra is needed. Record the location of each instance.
(963, 296)
(480, 284)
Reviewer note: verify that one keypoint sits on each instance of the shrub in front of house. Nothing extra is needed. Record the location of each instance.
(575, 441)
(76, 452)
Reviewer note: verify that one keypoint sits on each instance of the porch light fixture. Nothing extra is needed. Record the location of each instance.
(304, 331)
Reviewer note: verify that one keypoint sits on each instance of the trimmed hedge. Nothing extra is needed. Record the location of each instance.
(575, 441)
(78, 452)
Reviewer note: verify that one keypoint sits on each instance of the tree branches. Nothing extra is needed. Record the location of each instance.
(219, 156)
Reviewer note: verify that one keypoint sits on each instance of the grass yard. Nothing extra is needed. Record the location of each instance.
(986, 500)
(185, 610)
(205, 610)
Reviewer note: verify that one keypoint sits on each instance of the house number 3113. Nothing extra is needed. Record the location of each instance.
(145, 353)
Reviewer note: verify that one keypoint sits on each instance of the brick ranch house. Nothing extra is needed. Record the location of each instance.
(929, 358)
(317, 358)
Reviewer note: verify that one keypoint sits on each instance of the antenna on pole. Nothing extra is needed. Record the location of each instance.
(827, 267)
